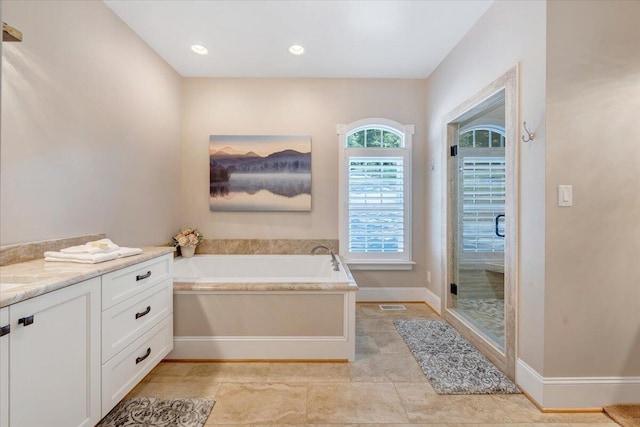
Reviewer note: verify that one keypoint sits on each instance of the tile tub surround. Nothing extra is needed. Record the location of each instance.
(263, 246)
(384, 386)
(22, 252)
(263, 307)
(39, 277)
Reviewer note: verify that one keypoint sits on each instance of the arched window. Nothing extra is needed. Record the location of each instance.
(375, 194)
(482, 137)
(375, 137)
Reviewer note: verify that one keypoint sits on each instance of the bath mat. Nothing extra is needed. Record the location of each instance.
(625, 415)
(451, 364)
(153, 412)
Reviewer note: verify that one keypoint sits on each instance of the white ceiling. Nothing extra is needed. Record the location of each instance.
(366, 39)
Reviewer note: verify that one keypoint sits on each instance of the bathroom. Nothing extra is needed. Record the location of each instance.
(100, 134)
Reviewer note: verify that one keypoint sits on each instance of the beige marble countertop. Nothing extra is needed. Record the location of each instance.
(34, 278)
(263, 287)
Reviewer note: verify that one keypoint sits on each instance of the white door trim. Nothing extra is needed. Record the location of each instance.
(510, 84)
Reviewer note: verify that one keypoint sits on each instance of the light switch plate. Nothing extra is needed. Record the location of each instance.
(565, 195)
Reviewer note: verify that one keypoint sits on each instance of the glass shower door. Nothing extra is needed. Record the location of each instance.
(479, 240)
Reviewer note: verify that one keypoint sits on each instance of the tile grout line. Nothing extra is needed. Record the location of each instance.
(269, 368)
(401, 402)
(306, 406)
(497, 403)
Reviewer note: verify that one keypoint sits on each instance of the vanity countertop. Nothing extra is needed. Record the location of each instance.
(21, 281)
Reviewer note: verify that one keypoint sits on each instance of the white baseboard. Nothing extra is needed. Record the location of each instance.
(391, 294)
(530, 381)
(576, 392)
(433, 301)
(399, 294)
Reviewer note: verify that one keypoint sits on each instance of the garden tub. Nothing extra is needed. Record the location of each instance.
(263, 307)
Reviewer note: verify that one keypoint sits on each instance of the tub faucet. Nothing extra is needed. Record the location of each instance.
(334, 260)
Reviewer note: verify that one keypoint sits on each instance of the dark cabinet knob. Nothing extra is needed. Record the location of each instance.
(5, 330)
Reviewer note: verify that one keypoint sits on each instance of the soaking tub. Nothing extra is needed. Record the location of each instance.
(263, 307)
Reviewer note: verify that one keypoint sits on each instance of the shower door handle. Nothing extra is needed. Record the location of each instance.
(497, 222)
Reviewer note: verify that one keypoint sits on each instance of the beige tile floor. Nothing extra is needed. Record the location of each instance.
(384, 386)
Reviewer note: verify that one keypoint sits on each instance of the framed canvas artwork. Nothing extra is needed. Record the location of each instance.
(259, 173)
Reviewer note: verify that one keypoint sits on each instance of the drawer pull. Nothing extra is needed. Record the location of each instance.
(26, 321)
(5, 330)
(141, 358)
(144, 313)
(143, 276)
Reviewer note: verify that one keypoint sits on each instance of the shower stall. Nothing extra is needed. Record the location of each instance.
(481, 211)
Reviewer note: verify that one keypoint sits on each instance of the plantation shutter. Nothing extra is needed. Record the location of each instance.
(483, 198)
(376, 204)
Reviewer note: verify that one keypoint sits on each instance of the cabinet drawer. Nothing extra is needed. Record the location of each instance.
(124, 322)
(127, 368)
(120, 285)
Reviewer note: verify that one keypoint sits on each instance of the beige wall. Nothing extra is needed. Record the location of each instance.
(592, 306)
(90, 128)
(296, 107)
(508, 33)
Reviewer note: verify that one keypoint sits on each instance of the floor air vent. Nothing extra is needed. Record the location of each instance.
(396, 307)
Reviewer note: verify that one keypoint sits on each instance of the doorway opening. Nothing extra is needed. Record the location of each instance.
(481, 176)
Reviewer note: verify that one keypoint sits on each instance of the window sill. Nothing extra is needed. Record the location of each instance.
(356, 265)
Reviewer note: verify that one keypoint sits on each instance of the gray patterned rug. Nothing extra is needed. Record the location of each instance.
(450, 362)
(153, 412)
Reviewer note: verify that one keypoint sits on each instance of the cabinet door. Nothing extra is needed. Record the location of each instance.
(55, 358)
(4, 370)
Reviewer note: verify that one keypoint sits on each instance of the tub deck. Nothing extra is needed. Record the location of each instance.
(263, 287)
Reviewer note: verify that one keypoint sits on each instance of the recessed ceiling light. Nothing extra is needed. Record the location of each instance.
(296, 49)
(199, 49)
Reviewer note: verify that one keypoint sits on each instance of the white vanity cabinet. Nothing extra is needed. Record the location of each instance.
(54, 356)
(4, 366)
(67, 357)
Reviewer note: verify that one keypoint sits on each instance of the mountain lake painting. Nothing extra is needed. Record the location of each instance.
(259, 173)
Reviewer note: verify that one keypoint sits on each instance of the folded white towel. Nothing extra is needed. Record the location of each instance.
(91, 258)
(95, 247)
(125, 252)
(81, 258)
(85, 258)
(76, 261)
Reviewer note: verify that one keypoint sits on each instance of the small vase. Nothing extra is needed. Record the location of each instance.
(187, 251)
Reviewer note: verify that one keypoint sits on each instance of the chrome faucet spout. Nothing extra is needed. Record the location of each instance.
(334, 260)
(313, 251)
